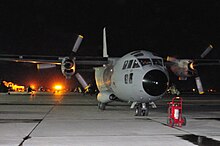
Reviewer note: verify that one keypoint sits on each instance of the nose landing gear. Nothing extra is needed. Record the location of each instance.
(142, 109)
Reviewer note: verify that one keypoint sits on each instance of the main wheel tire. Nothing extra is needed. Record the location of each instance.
(184, 121)
(101, 106)
(170, 122)
(138, 110)
(145, 112)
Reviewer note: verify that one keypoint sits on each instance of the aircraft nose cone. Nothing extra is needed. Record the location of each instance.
(155, 82)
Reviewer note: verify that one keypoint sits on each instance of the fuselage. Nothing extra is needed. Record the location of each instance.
(138, 76)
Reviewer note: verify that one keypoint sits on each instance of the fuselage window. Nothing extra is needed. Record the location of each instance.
(131, 78)
(157, 62)
(125, 64)
(130, 64)
(135, 65)
(145, 61)
(126, 78)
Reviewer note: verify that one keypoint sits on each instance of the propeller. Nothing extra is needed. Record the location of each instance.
(197, 78)
(207, 50)
(45, 66)
(186, 68)
(76, 46)
(199, 85)
(80, 79)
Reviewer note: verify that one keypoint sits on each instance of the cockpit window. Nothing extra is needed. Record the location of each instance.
(125, 64)
(130, 64)
(145, 61)
(136, 65)
(157, 62)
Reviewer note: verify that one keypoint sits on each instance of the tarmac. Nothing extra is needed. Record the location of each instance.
(74, 120)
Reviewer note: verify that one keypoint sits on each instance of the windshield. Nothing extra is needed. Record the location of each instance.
(145, 61)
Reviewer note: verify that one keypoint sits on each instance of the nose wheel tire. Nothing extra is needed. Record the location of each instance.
(142, 109)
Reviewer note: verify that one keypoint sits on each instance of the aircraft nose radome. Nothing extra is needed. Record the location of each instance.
(155, 82)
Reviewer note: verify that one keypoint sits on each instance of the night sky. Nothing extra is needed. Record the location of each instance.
(42, 27)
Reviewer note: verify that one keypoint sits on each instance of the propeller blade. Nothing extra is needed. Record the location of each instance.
(207, 50)
(199, 85)
(45, 66)
(81, 80)
(77, 44)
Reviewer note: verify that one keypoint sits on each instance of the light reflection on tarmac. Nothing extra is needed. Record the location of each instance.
(74, 119)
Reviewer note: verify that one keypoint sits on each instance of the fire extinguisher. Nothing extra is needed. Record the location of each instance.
(176, 113)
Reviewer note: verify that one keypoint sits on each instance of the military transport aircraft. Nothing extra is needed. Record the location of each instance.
(139, 77)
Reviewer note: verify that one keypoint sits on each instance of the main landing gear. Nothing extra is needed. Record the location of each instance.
(141, 109)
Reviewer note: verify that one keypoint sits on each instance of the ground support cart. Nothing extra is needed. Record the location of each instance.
(175, 117)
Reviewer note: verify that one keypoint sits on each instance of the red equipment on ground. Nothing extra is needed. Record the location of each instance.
(175, 117)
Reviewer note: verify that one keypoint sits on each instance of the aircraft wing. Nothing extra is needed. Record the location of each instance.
(56, 60)
(31, 59)
(206, 62)
(91, 60)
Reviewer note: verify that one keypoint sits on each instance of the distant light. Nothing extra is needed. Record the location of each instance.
(193, 89)
(32, 86)
(57, 87)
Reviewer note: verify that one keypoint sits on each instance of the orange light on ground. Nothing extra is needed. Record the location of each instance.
(57, 87)
(18, 88)
(58, 91)
(13, 86)
(32, 86)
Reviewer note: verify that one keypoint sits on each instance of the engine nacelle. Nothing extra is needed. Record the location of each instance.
(105, 96)
(68, 67)
(183, 68)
